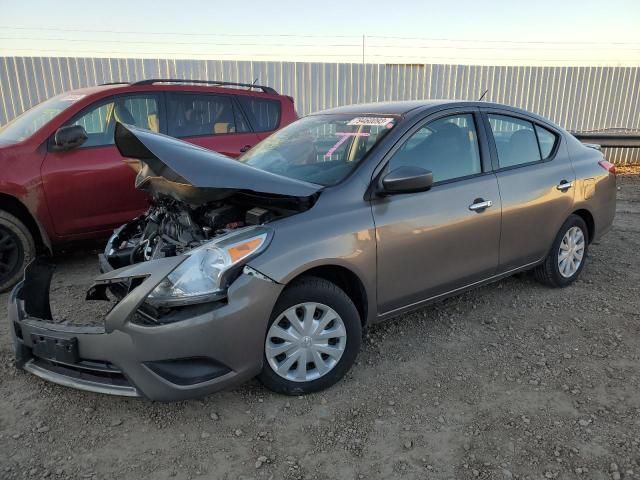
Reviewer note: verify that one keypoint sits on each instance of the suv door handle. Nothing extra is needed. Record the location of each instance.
(479, 205)
(245, 148)
(563, 186)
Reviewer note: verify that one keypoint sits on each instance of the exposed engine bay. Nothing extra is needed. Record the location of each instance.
(197, 196)
(171, 227)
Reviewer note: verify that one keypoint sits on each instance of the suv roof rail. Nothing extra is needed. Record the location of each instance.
(113, 83)
(151, 81)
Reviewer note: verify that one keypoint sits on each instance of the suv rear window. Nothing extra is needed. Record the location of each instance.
(192, 115)
(264, 114)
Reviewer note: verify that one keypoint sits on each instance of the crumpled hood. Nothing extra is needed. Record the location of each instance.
(194, 174)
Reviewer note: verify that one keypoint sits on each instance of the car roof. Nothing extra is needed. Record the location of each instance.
(387, 108)
(124, 87)
(91, 90)
(401, 108)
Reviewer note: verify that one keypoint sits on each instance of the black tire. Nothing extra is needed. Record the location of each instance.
(313, 289)
(17, 249)
(548, 272)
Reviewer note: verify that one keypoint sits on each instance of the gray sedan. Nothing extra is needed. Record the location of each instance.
(273, 265)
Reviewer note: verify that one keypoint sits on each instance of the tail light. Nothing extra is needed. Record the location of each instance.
(608, 166)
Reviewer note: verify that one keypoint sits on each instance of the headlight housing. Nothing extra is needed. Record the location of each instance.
(204, 275)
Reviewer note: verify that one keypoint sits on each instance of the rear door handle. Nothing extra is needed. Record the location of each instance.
(245, 148)
(563, 186)
(479, 205)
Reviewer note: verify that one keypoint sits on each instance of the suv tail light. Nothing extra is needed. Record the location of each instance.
(608, 166)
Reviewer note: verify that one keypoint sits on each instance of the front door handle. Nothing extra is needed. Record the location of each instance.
(245, 148)
(479, 205)
(563, 186)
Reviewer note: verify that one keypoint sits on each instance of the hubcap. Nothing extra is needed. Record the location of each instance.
(571, 252)
(305, 342)
(10, 253)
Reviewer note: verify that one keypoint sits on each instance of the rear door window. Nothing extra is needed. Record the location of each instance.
(193, 115)
(264, 113)
(99, 120)
(515, 140)
(519, 141)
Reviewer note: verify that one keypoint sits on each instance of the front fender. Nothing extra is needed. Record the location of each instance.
(320, 242)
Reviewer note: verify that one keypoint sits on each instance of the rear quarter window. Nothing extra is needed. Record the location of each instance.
(263, 113)
(547, 140)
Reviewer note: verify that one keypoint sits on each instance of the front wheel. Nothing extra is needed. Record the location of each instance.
(17, 249)
(567, 256)
(312, 340)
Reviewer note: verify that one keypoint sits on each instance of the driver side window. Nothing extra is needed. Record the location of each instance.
(448, 147)
(99, 120)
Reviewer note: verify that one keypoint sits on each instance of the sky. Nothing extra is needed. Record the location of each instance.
(486, 32)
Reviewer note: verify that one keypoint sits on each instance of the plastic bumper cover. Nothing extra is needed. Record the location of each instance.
(213, 347)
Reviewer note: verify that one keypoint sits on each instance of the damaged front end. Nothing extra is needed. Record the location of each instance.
(50, 350)
(189, 313)
(197, 196)
(192, 352)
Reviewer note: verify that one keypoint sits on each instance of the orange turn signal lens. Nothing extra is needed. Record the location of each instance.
(241, 250)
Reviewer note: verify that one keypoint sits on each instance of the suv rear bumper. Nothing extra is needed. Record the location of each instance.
(213, 347)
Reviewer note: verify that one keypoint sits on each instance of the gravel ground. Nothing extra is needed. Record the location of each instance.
(513, 380)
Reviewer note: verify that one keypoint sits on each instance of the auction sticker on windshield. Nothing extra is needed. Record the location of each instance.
(371, 121)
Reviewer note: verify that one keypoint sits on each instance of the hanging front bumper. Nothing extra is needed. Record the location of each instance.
(205, 348)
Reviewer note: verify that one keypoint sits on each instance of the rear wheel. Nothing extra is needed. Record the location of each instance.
(312, 340)
(17, 249)
(567, 256)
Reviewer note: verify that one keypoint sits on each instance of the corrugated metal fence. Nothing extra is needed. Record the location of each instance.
(578, 98)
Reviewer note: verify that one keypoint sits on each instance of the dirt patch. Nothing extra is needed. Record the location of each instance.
(513, 380)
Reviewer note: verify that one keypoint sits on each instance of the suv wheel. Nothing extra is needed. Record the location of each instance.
(568, 254)
(17, 249)
(312, 340)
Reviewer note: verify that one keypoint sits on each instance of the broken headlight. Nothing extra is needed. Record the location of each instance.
(204, 275)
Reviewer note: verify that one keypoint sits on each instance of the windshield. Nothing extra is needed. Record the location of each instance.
(30, 121)
(320, 149)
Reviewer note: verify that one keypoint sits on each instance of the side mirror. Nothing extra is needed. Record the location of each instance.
(407, 179)
(69, 137)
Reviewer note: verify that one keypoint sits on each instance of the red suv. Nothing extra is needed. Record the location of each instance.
(62, 178)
